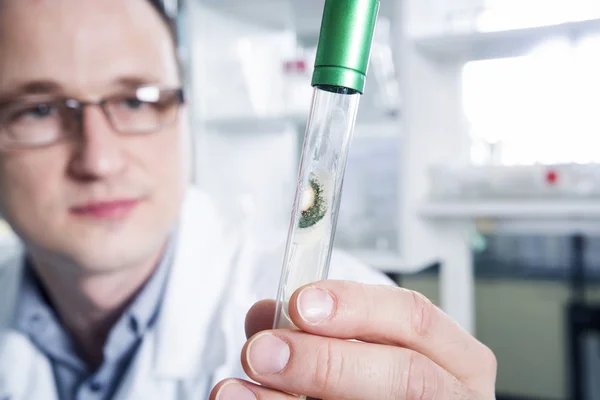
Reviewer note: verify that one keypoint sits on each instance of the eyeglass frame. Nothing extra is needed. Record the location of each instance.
(78, 106)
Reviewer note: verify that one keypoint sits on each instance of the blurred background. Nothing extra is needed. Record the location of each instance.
(474, 174)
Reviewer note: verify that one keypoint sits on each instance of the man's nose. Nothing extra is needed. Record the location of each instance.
(99, 152)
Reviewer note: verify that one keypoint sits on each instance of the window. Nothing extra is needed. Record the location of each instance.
(543, 107)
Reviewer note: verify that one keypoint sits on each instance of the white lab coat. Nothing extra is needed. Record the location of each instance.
(200, 331)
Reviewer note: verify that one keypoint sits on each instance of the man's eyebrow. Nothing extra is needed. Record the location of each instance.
(36, 87)
(30, 88)
(52, 88)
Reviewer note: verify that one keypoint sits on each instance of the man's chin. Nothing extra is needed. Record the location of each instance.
(104, 245)
(111, 261)
(105, 253)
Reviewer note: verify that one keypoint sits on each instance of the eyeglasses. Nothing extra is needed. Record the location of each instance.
(44, 120)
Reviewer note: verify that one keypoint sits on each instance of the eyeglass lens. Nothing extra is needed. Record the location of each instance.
(42, 120)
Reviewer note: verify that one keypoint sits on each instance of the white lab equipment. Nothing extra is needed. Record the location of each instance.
(575, 181)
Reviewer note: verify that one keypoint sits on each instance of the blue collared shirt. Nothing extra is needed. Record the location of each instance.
(36, 318)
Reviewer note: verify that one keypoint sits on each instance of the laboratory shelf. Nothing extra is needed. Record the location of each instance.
(258, 124)
(251, 124)
(386, 261)
(513, 208)
(498, 44)
(521, 217)
(391, 262)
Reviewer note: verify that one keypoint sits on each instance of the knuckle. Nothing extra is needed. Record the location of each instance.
(483, 379)
(488, 360)
(423, 312)
(421, 379)
(329, 366)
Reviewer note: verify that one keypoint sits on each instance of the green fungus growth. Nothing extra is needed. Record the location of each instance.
(314, 205)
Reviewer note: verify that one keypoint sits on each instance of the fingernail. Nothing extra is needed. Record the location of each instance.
(235, 391)
(267, 354)
(315, 305)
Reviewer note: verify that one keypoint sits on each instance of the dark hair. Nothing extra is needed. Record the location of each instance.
(170, 20)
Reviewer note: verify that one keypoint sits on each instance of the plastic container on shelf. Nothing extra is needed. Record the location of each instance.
(297, 74)
(383, 99)
(242, 78)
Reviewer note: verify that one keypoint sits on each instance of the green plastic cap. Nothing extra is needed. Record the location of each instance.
(345, 42)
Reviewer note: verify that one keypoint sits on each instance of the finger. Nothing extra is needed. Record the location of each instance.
(328, 368)
(235, 389)
(260, 317)
(390, 315)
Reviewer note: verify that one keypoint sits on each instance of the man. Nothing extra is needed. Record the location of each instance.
(129, 286)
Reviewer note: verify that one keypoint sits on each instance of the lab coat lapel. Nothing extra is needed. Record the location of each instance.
(198, 281)
(24, 372)
(177, 349)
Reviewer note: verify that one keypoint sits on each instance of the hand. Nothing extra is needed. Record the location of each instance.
(405, 348)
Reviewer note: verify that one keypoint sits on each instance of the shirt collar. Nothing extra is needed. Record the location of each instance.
(33, 304)
(145, 307)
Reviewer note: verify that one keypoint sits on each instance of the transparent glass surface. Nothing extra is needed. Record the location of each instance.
(316, 202)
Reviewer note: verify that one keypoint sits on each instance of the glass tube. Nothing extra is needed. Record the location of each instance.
(316, 203)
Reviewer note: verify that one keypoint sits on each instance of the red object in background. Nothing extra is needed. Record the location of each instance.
(552, 177)
(297, 66)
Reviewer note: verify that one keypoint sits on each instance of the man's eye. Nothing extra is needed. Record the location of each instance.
(132, 103)
(37, 111)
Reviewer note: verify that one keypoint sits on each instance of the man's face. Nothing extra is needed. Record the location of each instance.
(102, 200)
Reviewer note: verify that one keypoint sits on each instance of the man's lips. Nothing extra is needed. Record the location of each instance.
(113, 209)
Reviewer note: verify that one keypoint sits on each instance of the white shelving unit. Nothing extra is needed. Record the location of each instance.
(498, 44)
(521, 217)
(244, 125)
(436, 133)
(525, 208)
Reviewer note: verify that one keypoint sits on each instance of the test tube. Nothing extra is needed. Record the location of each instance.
(338, 79)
